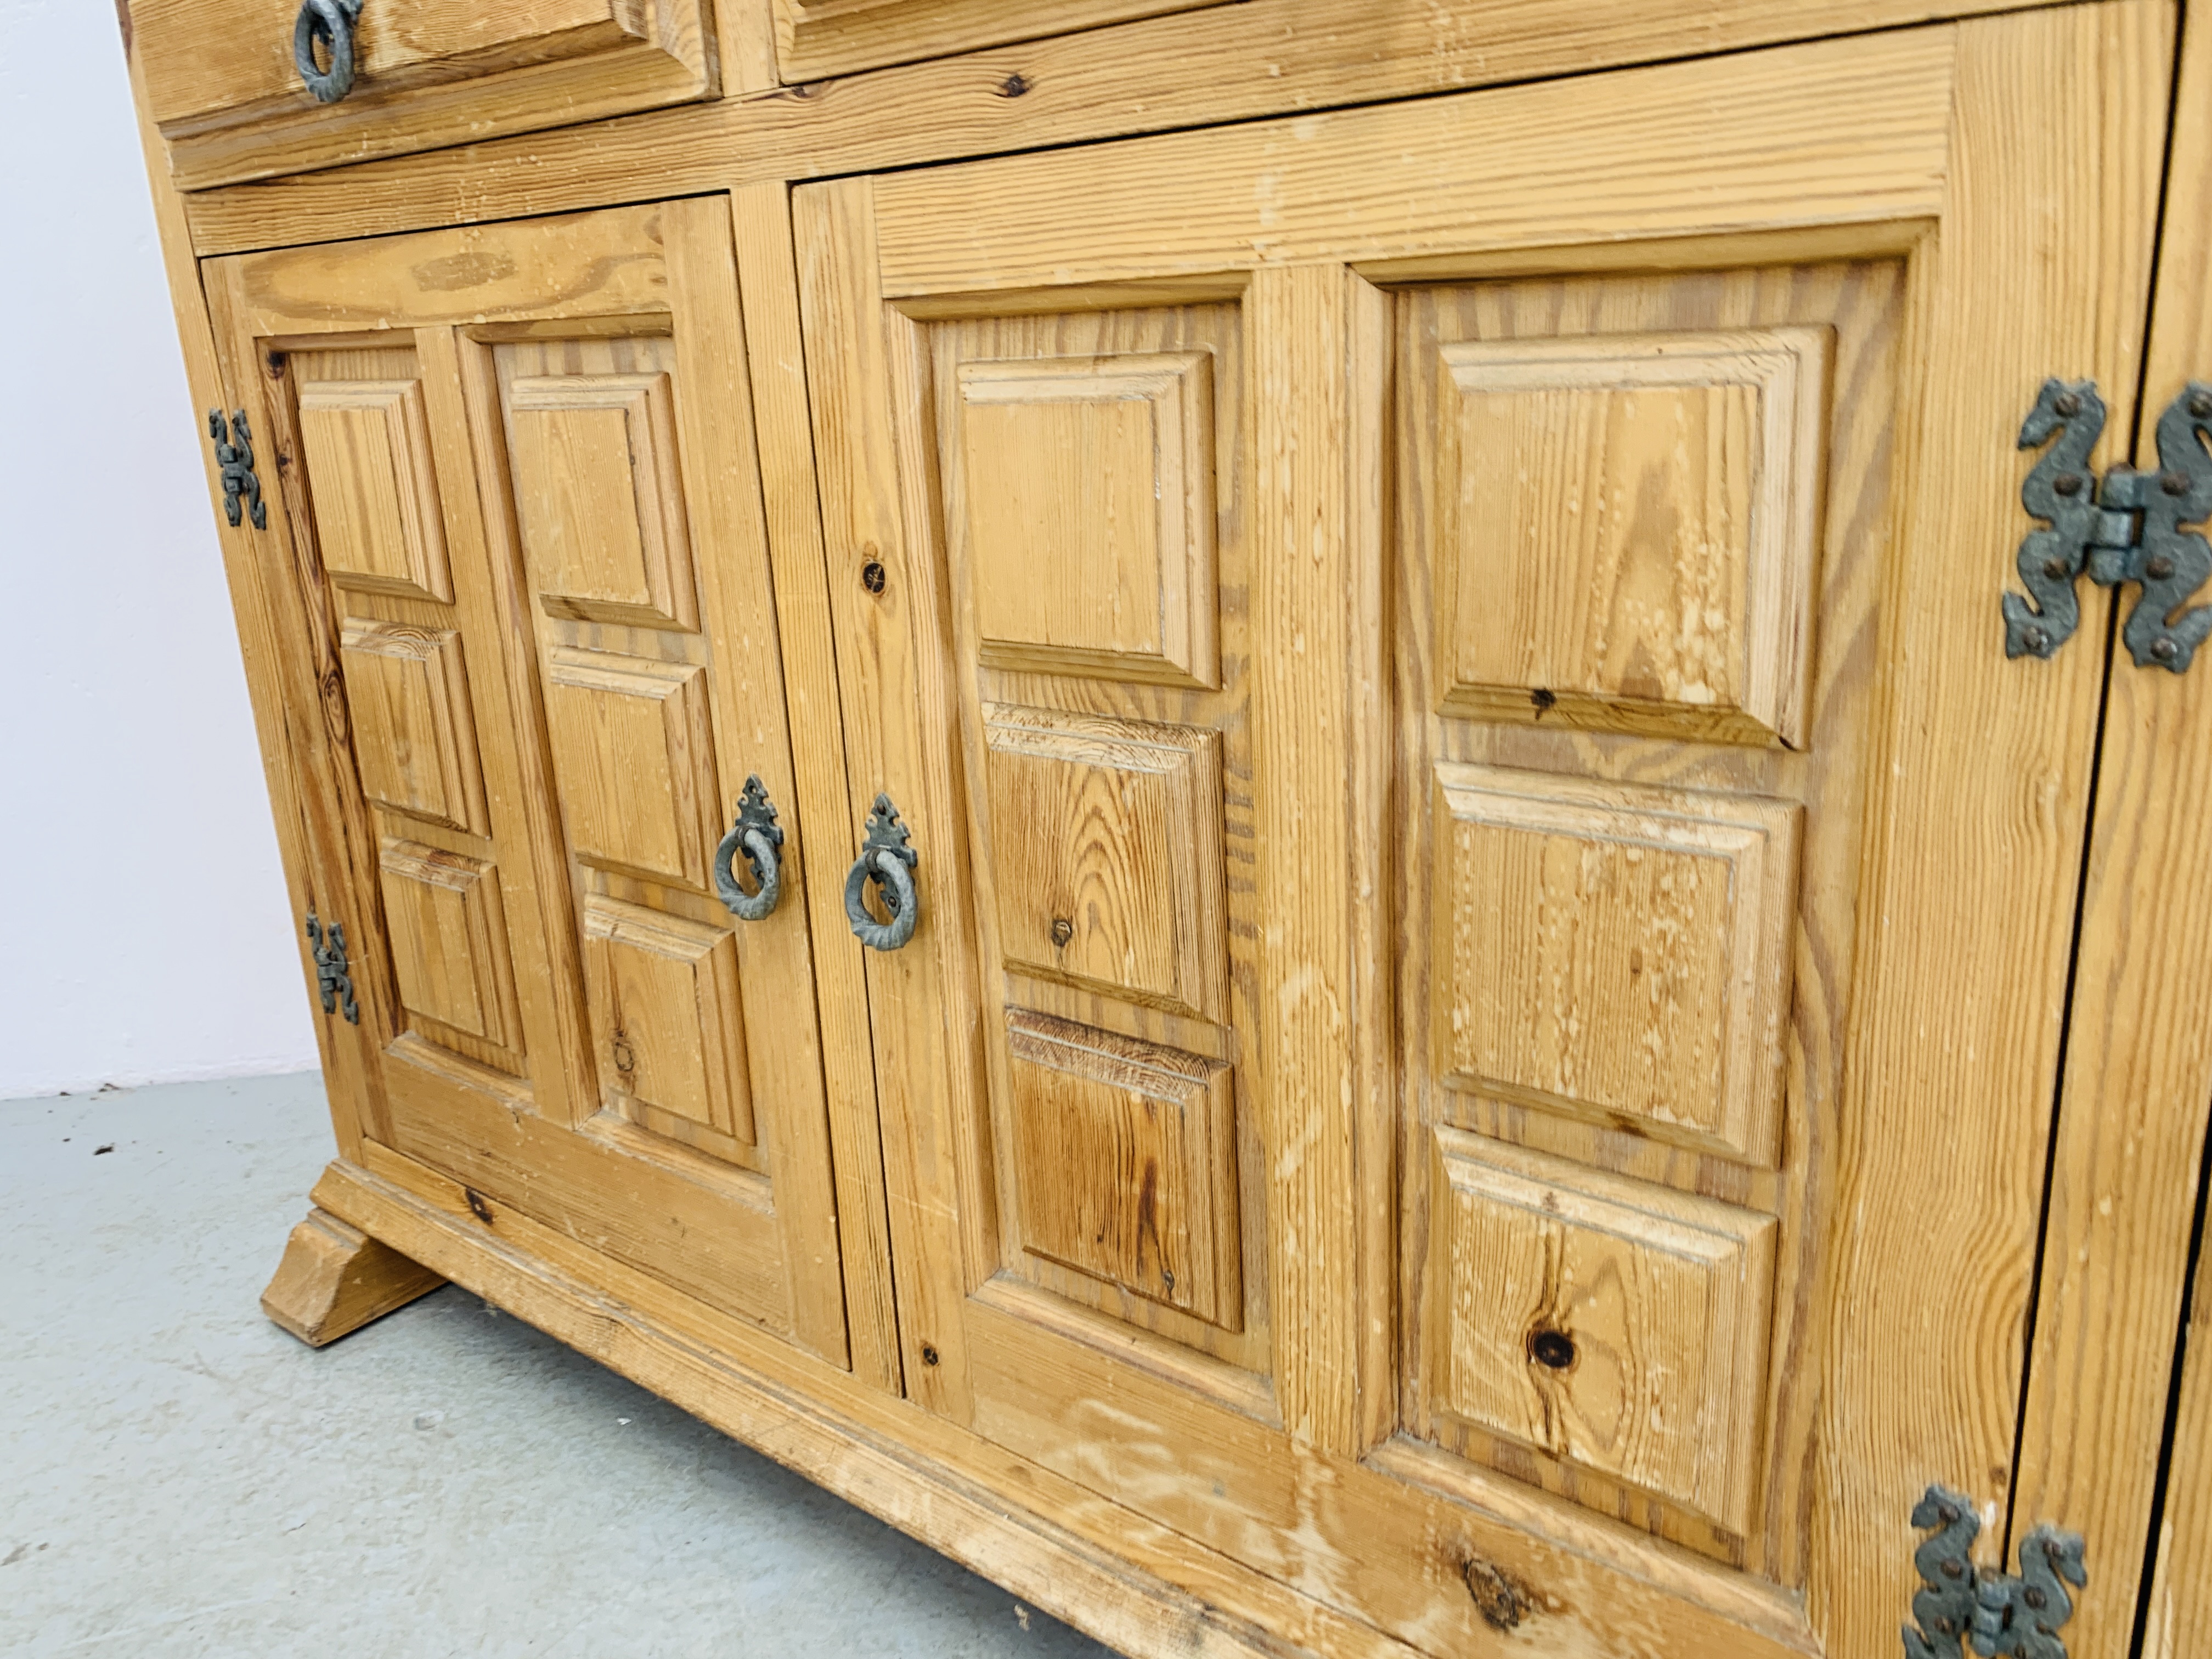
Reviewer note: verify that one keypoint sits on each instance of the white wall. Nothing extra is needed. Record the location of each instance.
(143, 928)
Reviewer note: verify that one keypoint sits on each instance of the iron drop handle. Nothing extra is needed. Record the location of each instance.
(888, 860)
(758, 837)
(330, 22)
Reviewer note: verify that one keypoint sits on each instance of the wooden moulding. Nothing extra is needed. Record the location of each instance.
(335, 1279)
(900, 1468)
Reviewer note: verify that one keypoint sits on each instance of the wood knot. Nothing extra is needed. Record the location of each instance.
(1014, 85)
(1501, 1603)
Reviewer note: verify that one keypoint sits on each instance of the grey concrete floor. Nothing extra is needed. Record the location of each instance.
(179, 1477)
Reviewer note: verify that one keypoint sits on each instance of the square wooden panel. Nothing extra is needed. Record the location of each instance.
(1616, 952)
(1629, 524)
(600, 500)
(449, 945)
(1125, 1158)
(1615, 1325)
(374, 489)
(631, 758)
(407, 696)
(1085, 522)
(1105, 856)
(663, 992)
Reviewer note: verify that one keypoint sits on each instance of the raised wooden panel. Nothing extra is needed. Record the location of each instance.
(1627, 528)
(449, 942)
(1621, 1327)
(1085, 521)
(1616, 952)
(1126, 1163)
(665, 1015)
(1106, 856)
(375, 490)
(600, 498)
(407, 693)
(632, 760)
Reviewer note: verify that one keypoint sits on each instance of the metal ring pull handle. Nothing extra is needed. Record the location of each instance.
(330, 22)
(886, 860)
(756, 834)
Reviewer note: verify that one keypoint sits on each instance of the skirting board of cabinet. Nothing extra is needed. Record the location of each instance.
(943, 1486)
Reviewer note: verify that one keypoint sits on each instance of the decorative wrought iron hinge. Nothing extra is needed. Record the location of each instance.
(1998, 1613)
(2126, 530)
(332, 977)
(241, 488)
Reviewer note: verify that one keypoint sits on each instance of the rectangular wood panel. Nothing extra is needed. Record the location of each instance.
(449, 941)
(1083, 512)
(367, 445)
(1615, 950)
(1626, 527)
(1106, 855)
(600, 498)
(665, 1007)
(1608, 1322)
(407, 691)
(632, 757)
(1127, 1165)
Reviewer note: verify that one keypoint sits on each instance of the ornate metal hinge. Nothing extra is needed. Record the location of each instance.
(1999, 1614)
(241, 488)
(2127, 530)
(333, 978)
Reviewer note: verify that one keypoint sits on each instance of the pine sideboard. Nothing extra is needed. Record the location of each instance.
(1355, 827)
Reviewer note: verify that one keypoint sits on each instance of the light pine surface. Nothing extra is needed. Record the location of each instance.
(185, 1480)
(1231, 63)
(230, 102)
(334, 1279)
(2138, 1079)
(818, 38)
(1160, 1229)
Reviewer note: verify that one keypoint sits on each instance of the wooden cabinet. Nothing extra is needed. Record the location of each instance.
(1285, 876)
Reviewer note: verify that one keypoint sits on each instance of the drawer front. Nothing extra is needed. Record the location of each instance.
(227, 91)
(814, 37)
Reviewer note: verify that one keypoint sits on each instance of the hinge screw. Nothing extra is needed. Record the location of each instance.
(2158, 567)
(2174, 483)
(2036, 641)
(2200, 405)
(2068, 405)
(2067, 483)
(2163, 649)
(2054, 569)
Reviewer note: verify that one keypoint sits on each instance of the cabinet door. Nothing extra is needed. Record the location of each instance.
(1496, 918)
(225, 90)
(513, 490)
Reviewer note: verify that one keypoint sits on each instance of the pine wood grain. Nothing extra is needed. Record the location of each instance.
(1222, 64)
(1985, 778)
(334, 1279)
(769, 279)
(2138, 1079)
(820, 38)
(2180, 1593)
(769, 1393)
(230, 104)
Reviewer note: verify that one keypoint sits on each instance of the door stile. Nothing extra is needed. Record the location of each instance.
(2057, 120)
(339, 840)
(2133, 1101)
(1320, 352)
(921, 1006)
(768, 280)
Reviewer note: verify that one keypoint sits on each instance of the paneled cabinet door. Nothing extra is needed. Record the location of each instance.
(511, 493)
(1496, 917)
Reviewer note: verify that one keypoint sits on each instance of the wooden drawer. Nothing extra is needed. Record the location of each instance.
(814, 37)
(226, 92)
